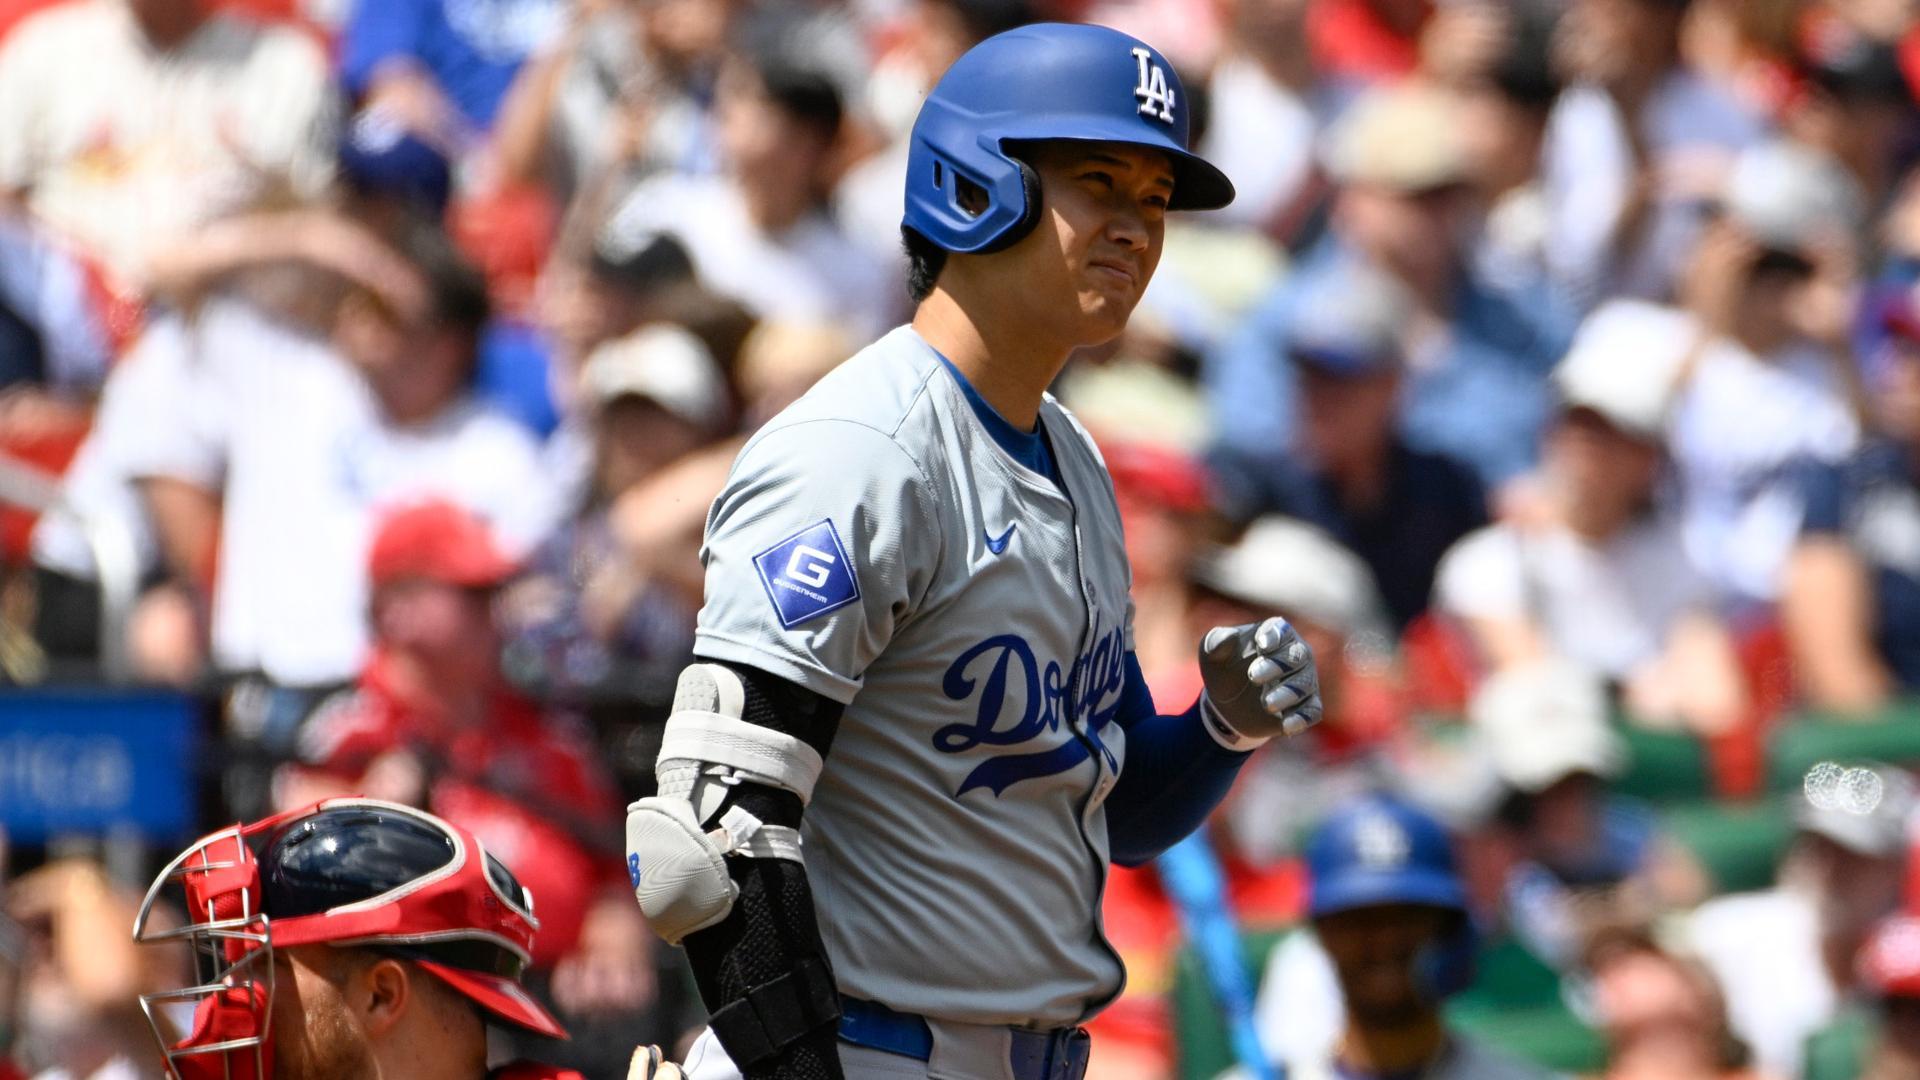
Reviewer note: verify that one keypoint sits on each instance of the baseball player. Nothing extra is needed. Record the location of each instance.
(916, 654)
(352, 938)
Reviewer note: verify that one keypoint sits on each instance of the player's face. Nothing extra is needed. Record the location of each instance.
(314, 1035)
(1103, 220)
(1374, 951)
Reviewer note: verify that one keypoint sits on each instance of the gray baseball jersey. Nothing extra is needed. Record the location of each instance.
(877, 546)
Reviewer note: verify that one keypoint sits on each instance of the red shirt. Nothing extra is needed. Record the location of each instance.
(1350, 40)
(524, 783)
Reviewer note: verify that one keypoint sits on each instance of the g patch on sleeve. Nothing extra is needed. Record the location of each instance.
(808, 574)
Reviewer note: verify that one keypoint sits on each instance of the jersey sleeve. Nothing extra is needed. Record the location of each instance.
(820, 548)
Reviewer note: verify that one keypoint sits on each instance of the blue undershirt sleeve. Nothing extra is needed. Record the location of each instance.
(1175, 774)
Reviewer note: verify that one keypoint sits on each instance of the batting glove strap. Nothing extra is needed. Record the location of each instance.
(1223, 732)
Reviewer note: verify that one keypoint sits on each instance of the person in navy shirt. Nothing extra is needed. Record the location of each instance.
(1348, 468)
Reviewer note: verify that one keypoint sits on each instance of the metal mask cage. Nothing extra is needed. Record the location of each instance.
(230, 954)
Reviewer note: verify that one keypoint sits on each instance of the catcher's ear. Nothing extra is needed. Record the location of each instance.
(381, 993)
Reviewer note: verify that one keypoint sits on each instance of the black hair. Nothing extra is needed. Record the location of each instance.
(925, 260)
(457, 292)
(985, 18)
(1524, 73)
(644, 264)
(804, 93)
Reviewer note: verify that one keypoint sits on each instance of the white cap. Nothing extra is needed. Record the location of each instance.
(1406, 138)
(1864, 808)
(665, 364)
(1790, 195)
(1296, 569)
(1543, 723)
(1625, 365)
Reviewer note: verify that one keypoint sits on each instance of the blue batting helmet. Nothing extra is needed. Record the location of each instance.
(1378, 851)
(1042, 82)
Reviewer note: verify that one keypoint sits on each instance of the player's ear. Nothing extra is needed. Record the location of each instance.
(386, 992)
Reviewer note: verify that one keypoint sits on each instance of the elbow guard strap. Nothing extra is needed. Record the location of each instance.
(679, 870)
(775, 1015)
(679, 840)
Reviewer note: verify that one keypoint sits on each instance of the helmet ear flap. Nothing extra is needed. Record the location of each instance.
(1029, 210)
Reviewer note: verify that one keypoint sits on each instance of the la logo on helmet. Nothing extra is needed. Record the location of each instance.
(1156, 97)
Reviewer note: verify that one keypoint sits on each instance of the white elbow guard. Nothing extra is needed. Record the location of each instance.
(678, 841)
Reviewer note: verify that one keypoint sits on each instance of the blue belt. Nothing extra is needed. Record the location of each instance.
(1060, 1054)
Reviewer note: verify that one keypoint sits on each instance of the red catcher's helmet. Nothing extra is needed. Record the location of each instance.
(342, 871)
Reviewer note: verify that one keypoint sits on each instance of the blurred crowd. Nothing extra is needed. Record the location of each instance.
(367, 368)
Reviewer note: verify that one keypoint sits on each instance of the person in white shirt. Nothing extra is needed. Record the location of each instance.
(292, 444)
(1597, 573)
(760, 233)
(1636, 149)
(127, 124)
(1842, 875)
(1772, 382)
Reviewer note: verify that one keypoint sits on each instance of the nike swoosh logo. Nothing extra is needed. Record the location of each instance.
(998, 545)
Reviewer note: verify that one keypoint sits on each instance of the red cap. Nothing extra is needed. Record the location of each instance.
(437, 541)
(1890, 960)
(1157, 475)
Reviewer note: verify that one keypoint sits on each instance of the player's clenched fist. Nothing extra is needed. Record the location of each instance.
(1260, 681)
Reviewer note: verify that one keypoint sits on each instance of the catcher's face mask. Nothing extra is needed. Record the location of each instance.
(343, 871)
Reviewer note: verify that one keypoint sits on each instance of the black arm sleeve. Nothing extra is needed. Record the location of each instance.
(771, 935)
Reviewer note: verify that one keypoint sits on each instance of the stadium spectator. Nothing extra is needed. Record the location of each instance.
(79, 974)
(291, 266)
(292, 442)
(1773, 380)
(1577, 856)
(1506, 102)
(625, 90)
(431, 722)
(54, 335)
(621, 281)
(869, 199)
(1890, 972)
(1852, 591)
(1265, 107)
(1855, 106)
(589, 608)
(1662, 1014)
(1477, 357)
(442, 67)
(1841, 876)
(1364, 42)
(760, 232)
(1598, 573)
(1391, 941)
(1638, 149)
(1347, 468)
(127, 124)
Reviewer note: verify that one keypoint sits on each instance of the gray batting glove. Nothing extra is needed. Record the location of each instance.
(1261, 682)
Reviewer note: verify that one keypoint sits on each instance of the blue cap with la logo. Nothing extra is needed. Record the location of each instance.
(1378, 851)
